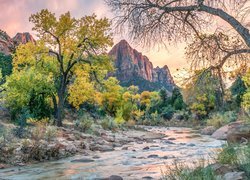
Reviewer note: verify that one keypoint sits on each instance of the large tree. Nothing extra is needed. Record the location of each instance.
(69, 50)
(154, 21)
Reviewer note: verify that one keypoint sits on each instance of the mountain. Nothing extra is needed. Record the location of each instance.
(23, 38)
(133, 68)
(8, 44)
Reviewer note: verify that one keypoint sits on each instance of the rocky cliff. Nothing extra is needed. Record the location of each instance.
(8, 44)
(133, 68)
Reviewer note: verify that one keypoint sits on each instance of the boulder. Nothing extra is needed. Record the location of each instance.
(209, 130)
(238, 132)
(234, 176)
(221, 133)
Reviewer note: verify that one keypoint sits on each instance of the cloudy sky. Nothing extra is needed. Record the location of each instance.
(14, 15)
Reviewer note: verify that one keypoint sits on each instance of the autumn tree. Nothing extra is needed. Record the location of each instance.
(161, 21)
(71, 51)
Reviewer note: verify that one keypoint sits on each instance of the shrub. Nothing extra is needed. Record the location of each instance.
(84, 123)
(228, 155)
(167, 113)
(108, 123)
(38, 132)
(50, 133)
(219, 119)
(180, 171)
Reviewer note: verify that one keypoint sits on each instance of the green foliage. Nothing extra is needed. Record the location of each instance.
(220, 119)
(167, 112)
(203, 94)
(108, 123)
(177, 99)
(246, 96)
(84, 123)
(50, 133)
(5, 64)
(180, 171)
(28, 91)
(238, 89)
(228, 155)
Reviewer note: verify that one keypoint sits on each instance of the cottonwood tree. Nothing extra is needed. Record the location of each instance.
(70, 51)
(158, 21)
(217, 54)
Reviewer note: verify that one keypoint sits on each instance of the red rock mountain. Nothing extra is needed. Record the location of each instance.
(23, 38)
(133, 68)
(8, 44)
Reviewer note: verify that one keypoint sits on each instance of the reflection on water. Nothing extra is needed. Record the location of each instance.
(180, 144)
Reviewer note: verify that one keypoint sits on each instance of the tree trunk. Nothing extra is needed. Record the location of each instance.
(60, 108)
(61, 101)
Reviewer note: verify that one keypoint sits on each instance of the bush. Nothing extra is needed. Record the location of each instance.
(220, 119)
(84, 123)
(50, 133)
(108, 123)
(167, 113)
(180, 171)
(228, 155)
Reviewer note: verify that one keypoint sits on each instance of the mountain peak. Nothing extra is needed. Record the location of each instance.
(134, 68)
(23, 38)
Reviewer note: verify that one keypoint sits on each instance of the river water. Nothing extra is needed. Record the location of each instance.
(132, 161)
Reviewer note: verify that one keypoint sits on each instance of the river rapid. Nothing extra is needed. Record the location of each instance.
(136, 160)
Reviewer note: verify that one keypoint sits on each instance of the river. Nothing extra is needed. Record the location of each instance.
(133, 161)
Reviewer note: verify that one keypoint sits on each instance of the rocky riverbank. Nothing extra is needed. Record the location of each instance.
(67, 142)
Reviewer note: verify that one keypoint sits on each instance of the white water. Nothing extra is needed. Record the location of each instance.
(133, 163)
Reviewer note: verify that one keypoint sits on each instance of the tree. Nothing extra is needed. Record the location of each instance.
(5, 64)
(29, 90)
(154, 21)
(111, 96)
(202, 93)
(67, 48)
(246, 96)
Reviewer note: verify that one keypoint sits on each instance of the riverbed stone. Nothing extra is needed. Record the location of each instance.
(234, 176)
(84, 160)
(238, 132)
(153, 156)
(209, 130)
(221, 133)
(146, 148)
(115, 177)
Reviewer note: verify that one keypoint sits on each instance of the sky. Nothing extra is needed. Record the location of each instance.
(14, 17)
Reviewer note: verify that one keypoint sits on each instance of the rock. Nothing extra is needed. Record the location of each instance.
(8, 44)
(147, 177)
(23, 38)
(71, 148)
(234, 176)
(146, 148)
(115, 177)
(132, 66)
(153, 156)
(171, 139)
(191, 145)
(3, 166)
(221, 169)
(221, 133)
(238, 132)
(96, 157)
(209, 130)
(168, 142)
(164, 157)
(125, 148)
(103, 148)
(82, 160)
